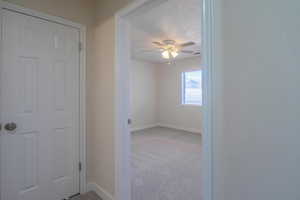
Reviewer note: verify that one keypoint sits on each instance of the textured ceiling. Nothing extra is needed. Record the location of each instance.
(179, 20)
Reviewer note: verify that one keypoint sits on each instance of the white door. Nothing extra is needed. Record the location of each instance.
(40, 94)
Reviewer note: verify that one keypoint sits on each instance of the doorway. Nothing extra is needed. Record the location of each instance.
(122, 137)
(42, 107)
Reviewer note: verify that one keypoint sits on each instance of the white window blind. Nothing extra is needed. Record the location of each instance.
(192, 88)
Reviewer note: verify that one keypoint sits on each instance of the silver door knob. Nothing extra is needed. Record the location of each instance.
(129, 121)
(10, 126)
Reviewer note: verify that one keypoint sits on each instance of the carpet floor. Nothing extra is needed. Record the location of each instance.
(166, 165)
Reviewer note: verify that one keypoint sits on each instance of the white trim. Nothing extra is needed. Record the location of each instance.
(83, 110)
(208, 48)
(82, 64)
(1, 46)
(99, 191)
(30, 12)
(122, 136)
(143, 127)
(191, 130)
(191, 105)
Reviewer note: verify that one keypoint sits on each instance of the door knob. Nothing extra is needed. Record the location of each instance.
(129, 121)
(10, 126)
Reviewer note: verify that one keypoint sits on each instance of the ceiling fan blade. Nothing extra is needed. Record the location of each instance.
(187, 44)
(148, 51)
(158, 43)
(185, 51)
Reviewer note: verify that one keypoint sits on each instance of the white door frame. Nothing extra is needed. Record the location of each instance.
(82, 81)
(122, 136)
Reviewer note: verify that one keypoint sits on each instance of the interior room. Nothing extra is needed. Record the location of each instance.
(67, 82)
(166, 101)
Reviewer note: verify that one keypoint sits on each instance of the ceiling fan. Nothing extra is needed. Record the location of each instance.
(170, 49)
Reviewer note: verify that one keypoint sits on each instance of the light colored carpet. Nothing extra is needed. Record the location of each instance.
(166, 165)
(87, 196)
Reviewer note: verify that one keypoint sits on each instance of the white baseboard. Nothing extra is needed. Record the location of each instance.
(166, 126)
(143, 127)
(99, 191)
(192, 130)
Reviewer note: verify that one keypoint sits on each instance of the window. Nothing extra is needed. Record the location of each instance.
(192, 88)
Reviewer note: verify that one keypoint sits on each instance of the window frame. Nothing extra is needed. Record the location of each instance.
(183, 89)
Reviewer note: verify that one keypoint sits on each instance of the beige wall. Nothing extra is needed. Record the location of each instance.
(143, 94)
(80, 11)
(101, 103)
(156, 94)
(261, 48)
(171, 112)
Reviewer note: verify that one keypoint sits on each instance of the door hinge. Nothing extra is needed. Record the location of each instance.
(79, 166)
(80, 46)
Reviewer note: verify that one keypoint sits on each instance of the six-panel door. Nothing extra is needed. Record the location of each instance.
(40, 94)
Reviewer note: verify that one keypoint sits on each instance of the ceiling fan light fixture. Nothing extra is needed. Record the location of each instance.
(165, 54)
(169, 49)
(174, 54)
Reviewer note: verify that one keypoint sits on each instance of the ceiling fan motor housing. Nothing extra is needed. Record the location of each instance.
(169, 42)
(170, 49)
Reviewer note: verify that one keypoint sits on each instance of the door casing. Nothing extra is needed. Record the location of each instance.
(210, 79)
(82, 81)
